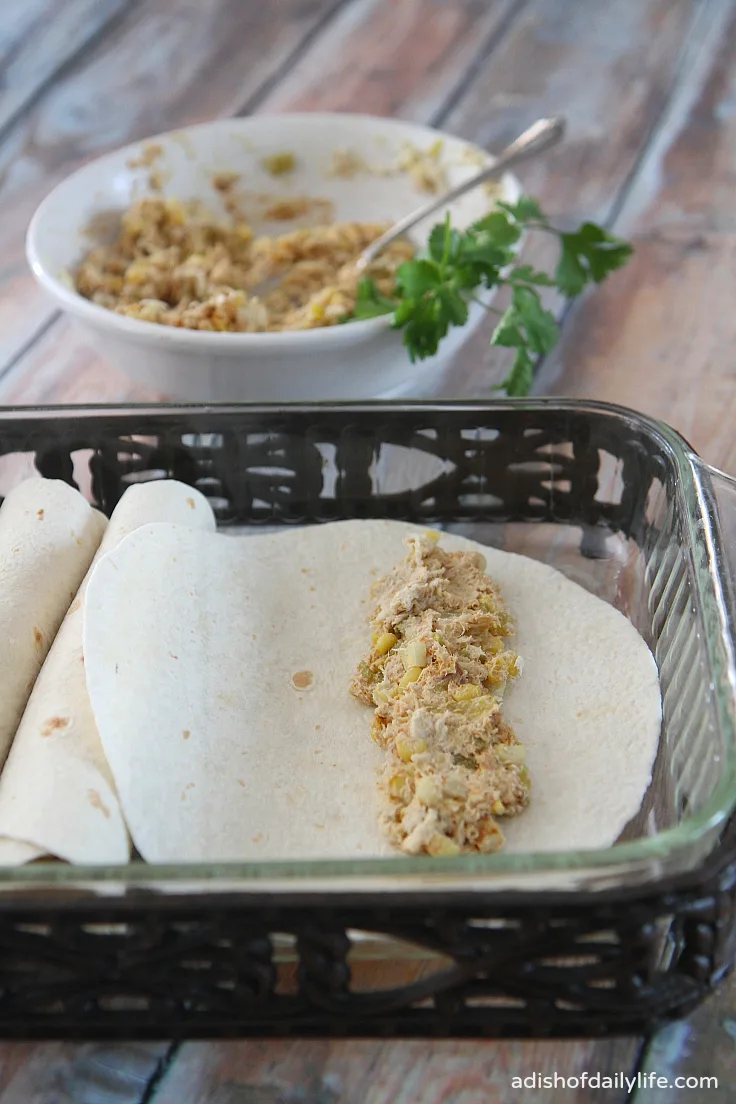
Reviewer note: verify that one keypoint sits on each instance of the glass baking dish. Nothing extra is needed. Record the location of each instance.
(555, 944)
(617, 502)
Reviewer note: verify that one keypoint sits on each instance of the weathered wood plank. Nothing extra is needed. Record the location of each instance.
(92, 1073)
(393, 59)
(38, 37)
(167, 63)
(384, 1073)
(444, 40)
(662, 336)
(663, 340)
(703, 1046)
(610, 69)
(13, 1057)
(64, 369)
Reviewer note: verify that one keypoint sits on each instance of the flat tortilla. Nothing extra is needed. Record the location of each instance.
(229, 727)
(56, 790)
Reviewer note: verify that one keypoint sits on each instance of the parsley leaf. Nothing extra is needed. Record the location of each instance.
(414, 278)
(591, 253)
(426, 324)
(480, 257)
(444, 242)
(452, 305)
(433, 289)
(519, 380)
(525, 209)
(498, 228)
(526, 322)
(539, 324)
(369, 302)
(525, 274)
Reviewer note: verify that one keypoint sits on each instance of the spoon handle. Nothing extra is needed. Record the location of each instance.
(538, 137)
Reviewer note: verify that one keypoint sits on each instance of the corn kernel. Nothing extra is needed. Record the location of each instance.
(511, 753)
(432, 534)
(406, 748)
(396, 785)
(455, 787)
(479, 706)
(498, 808)
(428, 792)
(377, 732)
(415, 654)
(385, 643)
(467, 691)
(137, 273)
(279, 164)
(411, 676)
(442, 847)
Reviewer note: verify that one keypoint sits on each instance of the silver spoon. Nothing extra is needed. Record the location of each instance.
(540, 136)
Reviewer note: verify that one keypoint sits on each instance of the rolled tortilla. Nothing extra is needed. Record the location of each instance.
(230, 729)
(56, 790)
(48, 536)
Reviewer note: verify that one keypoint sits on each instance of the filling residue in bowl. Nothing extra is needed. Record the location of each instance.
(177, 264)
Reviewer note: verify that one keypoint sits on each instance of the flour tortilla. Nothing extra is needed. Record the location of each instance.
(48, 536)
(230, 730)
(56, 790)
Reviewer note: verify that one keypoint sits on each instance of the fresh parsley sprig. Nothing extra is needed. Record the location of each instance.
(433, 290)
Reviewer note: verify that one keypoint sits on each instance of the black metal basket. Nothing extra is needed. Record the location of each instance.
(85, 957)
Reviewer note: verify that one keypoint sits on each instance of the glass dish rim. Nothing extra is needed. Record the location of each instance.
(402, 871)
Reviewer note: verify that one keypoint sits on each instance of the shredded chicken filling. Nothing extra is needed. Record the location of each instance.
(435, 675)
(177, 265)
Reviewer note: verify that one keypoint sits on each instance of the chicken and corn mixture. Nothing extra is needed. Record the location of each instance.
(176, 264)
(435, 676)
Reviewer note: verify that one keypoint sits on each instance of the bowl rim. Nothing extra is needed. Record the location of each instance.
(144, 332)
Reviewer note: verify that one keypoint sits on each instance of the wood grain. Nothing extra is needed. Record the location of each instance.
(39, 37)
(403, 59)
(61, 367)
(702, 1046)
(92, 1073)
(663, 336)
(384, 1073)
(610, 69)
(165, 64)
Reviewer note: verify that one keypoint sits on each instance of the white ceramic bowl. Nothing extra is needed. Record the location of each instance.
(355, 361)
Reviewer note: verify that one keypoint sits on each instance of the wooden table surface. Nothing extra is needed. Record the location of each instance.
(649, 90)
